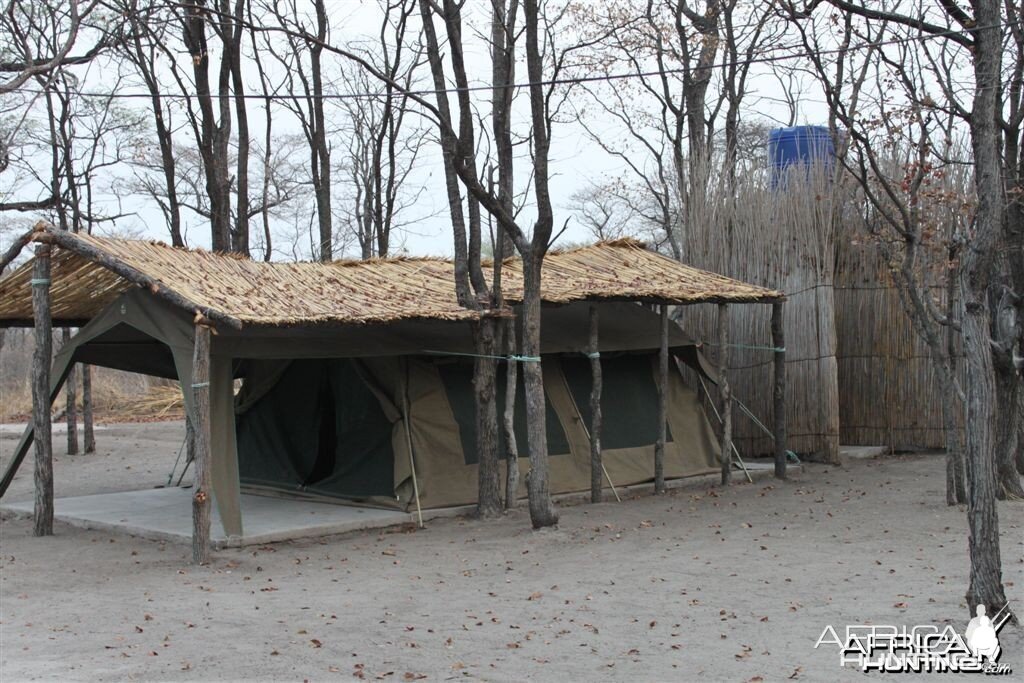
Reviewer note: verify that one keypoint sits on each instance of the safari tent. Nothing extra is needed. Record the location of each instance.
(353, 380)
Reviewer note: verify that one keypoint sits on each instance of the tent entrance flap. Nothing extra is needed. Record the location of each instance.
(320, 429)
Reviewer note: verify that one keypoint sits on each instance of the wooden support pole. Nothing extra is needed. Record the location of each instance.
(508, 419)
(89, 436)
(659, 447)
(201, 422)
(41, 360)
(407, 423)
(725, 392)
(596, 465)
(779, 392)
(71, 402)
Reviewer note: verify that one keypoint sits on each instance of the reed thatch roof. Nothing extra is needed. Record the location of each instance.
(89, 272)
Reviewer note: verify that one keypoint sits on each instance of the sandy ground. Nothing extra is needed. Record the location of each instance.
(702, 583)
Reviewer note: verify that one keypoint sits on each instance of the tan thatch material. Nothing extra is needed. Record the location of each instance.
(383, 290)
(624, 269)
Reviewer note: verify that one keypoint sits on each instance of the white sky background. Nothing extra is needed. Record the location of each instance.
(576, 161)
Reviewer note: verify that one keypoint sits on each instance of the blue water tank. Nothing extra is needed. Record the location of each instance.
(798, 145)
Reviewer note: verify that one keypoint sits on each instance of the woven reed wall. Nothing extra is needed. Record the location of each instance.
(782, 240)
(888, 391)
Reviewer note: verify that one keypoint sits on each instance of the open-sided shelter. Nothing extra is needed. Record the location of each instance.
(356, 375)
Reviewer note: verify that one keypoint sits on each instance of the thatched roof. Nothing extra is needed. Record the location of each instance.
(90, 272)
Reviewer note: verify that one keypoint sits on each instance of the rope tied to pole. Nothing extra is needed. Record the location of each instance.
(510, 357)
(200, 385)
(593, 355)
(39, 281)
(753, 347)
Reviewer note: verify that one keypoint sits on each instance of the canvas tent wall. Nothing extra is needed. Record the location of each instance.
(334, 427)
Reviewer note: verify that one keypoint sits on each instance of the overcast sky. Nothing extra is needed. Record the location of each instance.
(576, 161)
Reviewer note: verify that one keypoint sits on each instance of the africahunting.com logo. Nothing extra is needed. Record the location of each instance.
(925, 648)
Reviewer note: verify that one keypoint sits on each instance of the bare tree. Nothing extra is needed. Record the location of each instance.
(384, 137)
(26, 58)
(457, 145)
(895, 156)
(668, 109)
(603, 212)
(301, 59)
(976, 40)
(212, 127)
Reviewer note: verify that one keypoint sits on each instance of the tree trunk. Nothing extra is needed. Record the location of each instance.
(41, 359)
(484, 371)
(509, 419)
(659, 446)
(320, 149)
(71, 394)
(542, 511)
(724, 391)
(596, 466)
(1007, 391)
(779, 390)
(986, 586)
(88, 435)
(952, 414)
(201, 489)
(956, 493)
(233, 51)
(1019, 455)
(982, 516)
(190, 440)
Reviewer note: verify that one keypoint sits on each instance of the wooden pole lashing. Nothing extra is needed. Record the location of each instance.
(201, 419)
(724, 392)
(659, 447)
(596, 464)
(779, 390)
(41, 360)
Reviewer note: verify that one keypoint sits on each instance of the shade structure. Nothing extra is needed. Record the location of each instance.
(329, 354)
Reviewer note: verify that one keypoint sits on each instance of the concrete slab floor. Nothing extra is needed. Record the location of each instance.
(166, 514)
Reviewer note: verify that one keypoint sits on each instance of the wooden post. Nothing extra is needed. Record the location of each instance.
(596, 466)
(725, 392)
(71, 396)
(659, 447)
(779, 392)
(201, 420)
(41, 360)
(89, 436)
(509, 419)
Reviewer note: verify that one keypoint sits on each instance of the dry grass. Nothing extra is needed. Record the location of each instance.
(117, 396)
(159, 402)
(112, 401)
